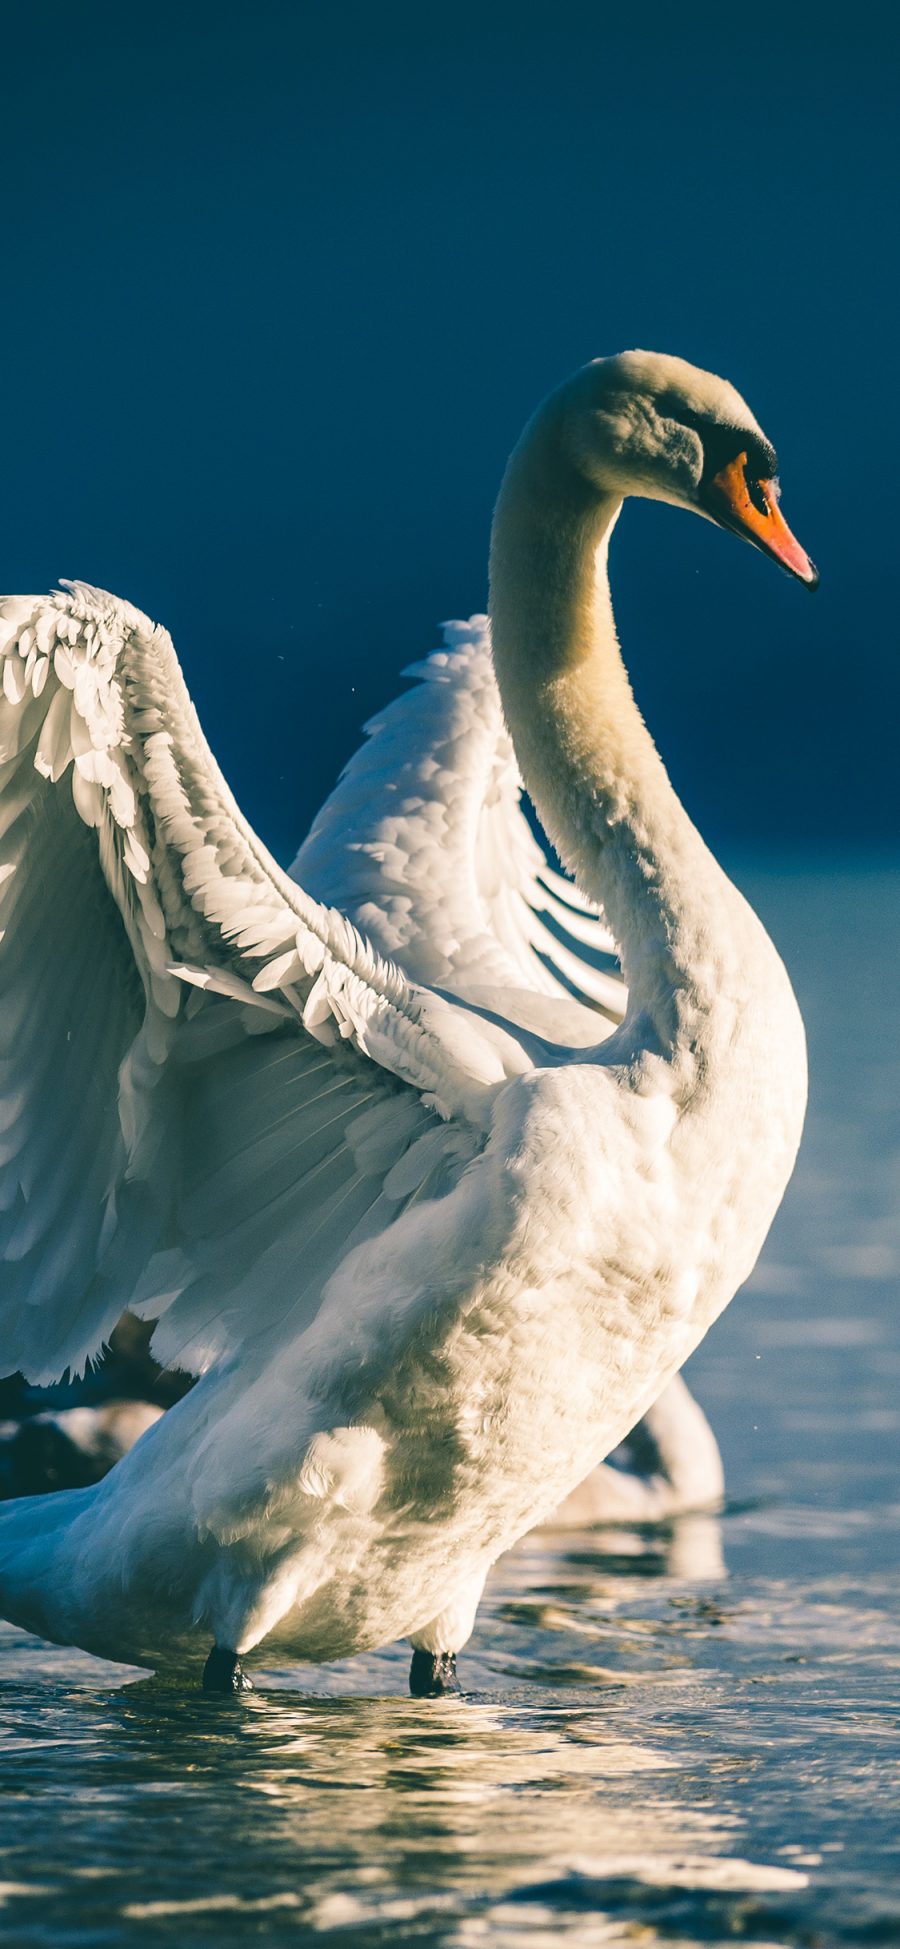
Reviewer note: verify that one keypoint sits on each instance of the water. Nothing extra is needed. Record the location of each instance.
(678, 1735)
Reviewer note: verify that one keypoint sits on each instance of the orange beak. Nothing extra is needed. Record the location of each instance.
(751, 509)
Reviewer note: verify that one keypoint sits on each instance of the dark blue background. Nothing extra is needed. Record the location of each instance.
(281, 285)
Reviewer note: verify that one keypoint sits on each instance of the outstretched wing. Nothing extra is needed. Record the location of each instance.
(210, 1085)
(426, 845)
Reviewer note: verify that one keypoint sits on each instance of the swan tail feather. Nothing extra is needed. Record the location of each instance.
(32, 1532)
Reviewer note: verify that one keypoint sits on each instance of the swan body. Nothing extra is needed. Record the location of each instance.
(434, 1206)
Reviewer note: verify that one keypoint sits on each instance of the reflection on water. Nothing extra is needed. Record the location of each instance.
(653, 1749)
(636, 1749)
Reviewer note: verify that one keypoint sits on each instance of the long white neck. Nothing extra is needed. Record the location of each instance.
(585, 754)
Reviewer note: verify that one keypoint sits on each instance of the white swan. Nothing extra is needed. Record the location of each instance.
(676, 1469)
(434, 1235)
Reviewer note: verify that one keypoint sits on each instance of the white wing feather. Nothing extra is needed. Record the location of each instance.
(207, 1079)
(425, 844)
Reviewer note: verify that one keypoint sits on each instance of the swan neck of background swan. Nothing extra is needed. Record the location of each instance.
(586, 757)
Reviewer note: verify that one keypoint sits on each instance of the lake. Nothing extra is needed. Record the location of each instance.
(676, 1735)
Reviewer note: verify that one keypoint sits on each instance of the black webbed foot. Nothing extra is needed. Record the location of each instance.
(432, 1674)
(224, 1673)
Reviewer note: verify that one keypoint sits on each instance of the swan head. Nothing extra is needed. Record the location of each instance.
(646, 424)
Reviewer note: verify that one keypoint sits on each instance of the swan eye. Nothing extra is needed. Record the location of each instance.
(757, 493)
(763, 488)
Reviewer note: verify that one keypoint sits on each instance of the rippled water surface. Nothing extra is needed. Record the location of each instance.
(676, 1735)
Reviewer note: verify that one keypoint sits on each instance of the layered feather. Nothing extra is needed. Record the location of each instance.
(426, 845)
(165, 992)
(209, 1076)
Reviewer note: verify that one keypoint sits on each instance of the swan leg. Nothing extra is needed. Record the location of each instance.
(224, 1673)
(432, 1674)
